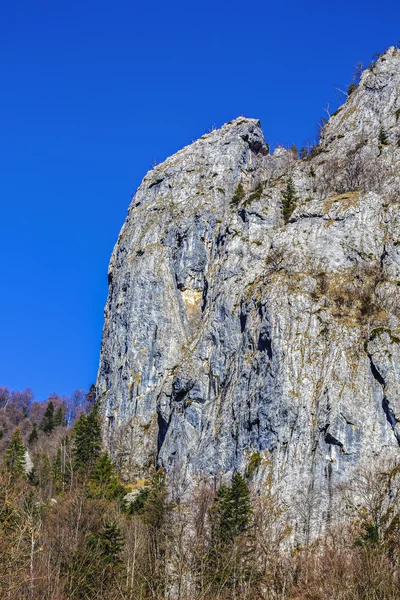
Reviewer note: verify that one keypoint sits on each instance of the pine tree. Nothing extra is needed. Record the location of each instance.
(103, 481)
(289, 201)
(229, 556)
(87, 440)
(59, 417)
(90, 397)
(232, 509)
(109, 543)
(47, 424)
(14, 456)
(93, 570)
(33, 436)
(156, 506)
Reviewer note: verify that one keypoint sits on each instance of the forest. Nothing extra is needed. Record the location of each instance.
(70, 528)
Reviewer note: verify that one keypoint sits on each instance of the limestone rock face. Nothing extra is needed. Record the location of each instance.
(230, 332)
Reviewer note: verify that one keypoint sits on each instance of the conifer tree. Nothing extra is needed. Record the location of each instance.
(289, 200)
(14, 456)
(103, 481)
(232, 509)
(229, 558)
(156, 505)
(87, 440)
(109, 543)
(59, 417)
(47, 424)
(90, 397)
(33, 436)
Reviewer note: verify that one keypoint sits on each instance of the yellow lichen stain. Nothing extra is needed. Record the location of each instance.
(192, 298)
(345, 201)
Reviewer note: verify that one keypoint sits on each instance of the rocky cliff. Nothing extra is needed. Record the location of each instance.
(253, 308)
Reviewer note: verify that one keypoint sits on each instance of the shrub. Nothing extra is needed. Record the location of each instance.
(382, 137)
(238, 195)
(256, 194)
(352, 88)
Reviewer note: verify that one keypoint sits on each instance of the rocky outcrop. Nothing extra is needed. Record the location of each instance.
(231, 333)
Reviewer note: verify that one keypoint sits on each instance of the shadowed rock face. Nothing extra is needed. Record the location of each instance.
(229, 332)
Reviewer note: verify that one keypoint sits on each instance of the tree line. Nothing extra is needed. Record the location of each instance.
(71, 529)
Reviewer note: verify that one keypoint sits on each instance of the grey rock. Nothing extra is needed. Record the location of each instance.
(228, 332)
(28, 463)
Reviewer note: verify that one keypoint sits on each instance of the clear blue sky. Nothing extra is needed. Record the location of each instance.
(92, 92)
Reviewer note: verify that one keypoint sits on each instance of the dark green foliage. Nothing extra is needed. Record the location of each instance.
(137, 506)
(151, 501)
(103, 481)
(153, 508)
(91, 396)
(57, 469)
(59, 417)
(14, 456)
(42, 474)
(256, 194)
(229, 561)
(238, 195)
(47, 424)
(108, 544)
(382, 137)
(397, 114)
(369, 535)
(232, 509)
(289, 201)
(87, 440)
(294, 151)
(155, 505)
(95, 566)
(352, 88)
(33, 436)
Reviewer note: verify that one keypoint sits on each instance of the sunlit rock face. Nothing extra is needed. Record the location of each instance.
(229, 332)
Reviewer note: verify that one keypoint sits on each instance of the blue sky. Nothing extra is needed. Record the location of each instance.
(92, 93)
